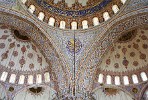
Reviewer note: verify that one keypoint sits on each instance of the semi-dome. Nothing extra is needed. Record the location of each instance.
(19, 57)
(126, 61)
(18, 52)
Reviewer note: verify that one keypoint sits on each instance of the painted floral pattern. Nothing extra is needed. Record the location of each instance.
(19, 55)
(124, 56)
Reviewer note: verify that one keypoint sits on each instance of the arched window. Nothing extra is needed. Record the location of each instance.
(41, 16)
(39, 78)
(31, 9)
(108, 79)
(24, 1)
(12, 78)
(106, 16)
(74, 25)
(51, 21)
(47, 77)
(125, 80)
(30, 79)
(135, 79)
(115, 8)
(143, 76)
(100, 80)
(95, 21)
(123, 1)
(62, 24)
(117, 80)
(21, 79)
(4, 76)
(84, 24)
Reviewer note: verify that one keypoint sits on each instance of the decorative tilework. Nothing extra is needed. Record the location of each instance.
(101, 36)
(73, 13)
(70, 45)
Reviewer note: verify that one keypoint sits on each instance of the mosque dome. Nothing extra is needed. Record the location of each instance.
(73, 49)
(73, 14)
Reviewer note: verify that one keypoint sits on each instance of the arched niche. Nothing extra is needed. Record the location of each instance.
(3, 94)
(111, 93)
(35, 93)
